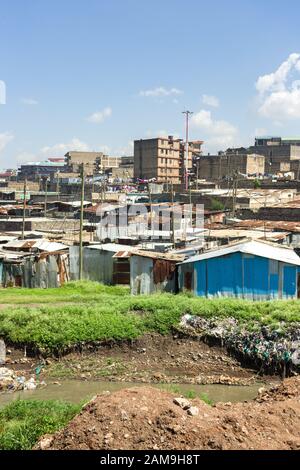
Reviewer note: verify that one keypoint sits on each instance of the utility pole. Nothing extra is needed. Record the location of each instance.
(81, 223)
(186, 169)
(172, 217)
(24, 208)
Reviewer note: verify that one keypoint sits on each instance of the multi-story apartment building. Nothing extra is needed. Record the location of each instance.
(94, 162)
(282, 155)
(163, 158)
(214, 167)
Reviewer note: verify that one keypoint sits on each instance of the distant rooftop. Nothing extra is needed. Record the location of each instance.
(45, 163)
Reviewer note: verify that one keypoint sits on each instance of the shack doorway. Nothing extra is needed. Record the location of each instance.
(188, 276)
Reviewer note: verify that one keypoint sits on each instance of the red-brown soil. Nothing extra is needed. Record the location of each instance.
(148, 418)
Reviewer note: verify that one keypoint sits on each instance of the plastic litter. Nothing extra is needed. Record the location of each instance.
(10, 381)
(263, 344)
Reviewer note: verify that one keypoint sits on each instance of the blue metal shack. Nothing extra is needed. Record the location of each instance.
(251, 269)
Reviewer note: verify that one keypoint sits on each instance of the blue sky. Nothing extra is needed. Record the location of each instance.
(96, 74)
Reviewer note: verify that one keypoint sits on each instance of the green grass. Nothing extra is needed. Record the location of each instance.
(23, 422)
(189, 394)
(78, 291)
(86, 311)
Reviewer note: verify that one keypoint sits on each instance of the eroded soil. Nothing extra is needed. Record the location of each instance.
(148, 418)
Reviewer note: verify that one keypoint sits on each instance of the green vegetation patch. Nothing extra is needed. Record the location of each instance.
(103, 313)
(23, 422)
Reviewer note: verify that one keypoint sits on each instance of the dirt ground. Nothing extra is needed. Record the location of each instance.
(151, 359)
(148, 418)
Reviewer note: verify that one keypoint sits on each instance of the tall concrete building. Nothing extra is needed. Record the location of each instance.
(215, 167)
(268, 156)
(282, 155)
(163, 158)
(94, 162)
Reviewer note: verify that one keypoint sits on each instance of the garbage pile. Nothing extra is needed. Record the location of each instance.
(263, 345)
(12, 382)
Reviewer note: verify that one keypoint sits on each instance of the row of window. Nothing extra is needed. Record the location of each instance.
(166, 151)
(168, 161)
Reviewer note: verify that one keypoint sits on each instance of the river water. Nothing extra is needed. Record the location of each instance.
(77, 391)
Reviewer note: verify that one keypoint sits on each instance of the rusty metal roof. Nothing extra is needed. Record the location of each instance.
(38, 244)
(122, 254)
(155, 255)
(269, 224)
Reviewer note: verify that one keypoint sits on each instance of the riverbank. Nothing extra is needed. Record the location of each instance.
(153, 358)
(85, 316)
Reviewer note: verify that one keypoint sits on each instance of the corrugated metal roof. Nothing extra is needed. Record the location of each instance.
(74, 203)
(39, 244)
(114, 247)
(269, 224)
(252, 247)
(122, 254)
(156, 255)
(236, 233)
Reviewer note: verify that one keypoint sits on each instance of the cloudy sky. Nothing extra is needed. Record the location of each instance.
(96, 74)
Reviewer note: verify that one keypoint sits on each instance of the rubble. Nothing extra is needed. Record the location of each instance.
(193, 411)
(12, 381)
(182, 402)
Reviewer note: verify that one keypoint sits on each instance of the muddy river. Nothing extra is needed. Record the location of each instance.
(77, 391)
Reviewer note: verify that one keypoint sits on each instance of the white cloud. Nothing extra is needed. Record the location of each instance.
(160, 91)
(218, 134)
(63, 148)
(275, 81)
(211, 100)
(279, 95)
(100, 116)
(5, 138)
(29, 101)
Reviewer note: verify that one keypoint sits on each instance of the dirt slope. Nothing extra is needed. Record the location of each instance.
(148, 418)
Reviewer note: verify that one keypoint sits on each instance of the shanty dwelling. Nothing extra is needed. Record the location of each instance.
(33, 263)
(153, 272)
(99, 263)
(251, 269)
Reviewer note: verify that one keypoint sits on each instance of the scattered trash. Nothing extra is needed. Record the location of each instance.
(30, 384)
(265, 344)
(11, 381)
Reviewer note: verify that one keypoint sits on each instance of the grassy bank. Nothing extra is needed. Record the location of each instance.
(54, 319)
(23, 422)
